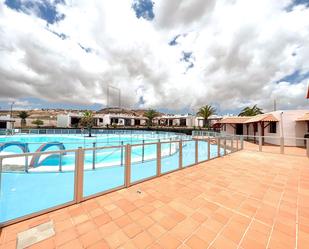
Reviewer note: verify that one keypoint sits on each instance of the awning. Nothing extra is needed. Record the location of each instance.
(303, 118)
(247, 120)
(262, 118)
(234, 120)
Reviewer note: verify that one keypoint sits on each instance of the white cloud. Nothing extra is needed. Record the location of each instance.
(241, 49)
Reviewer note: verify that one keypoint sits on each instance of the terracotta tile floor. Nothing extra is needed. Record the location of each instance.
(246, 200)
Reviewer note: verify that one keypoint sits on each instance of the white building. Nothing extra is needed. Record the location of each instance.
(120, 120)
(101, 120)
(6, 122)
(185, 120)
(213, 119)
(273, 125)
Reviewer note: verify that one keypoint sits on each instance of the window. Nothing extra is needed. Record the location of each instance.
(273, 127)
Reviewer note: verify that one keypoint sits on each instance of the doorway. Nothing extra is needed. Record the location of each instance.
(239, 129)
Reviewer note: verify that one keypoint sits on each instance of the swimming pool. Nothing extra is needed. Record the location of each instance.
(51, 180)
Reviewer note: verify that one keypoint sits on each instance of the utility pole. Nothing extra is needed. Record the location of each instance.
(11, 114)
(108, 95)
(275, 105)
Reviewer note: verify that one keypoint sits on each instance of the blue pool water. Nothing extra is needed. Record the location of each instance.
(44, 186)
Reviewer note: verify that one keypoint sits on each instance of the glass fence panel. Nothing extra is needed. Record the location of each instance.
(104, 169)
(143, 162)
(202, 150)
(295, 146)
(213, 147)
(251, 143)
(169, 157)
(35, 183)
(188, 153)
(271, 144)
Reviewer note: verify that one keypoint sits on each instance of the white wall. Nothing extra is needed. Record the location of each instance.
(63, 121)
(291, 128)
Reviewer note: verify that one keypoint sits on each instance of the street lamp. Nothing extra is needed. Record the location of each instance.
(11, 115)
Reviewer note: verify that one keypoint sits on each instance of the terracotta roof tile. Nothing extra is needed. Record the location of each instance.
(246, 120)
(304, 118)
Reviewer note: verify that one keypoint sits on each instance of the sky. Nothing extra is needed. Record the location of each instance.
(171, 55)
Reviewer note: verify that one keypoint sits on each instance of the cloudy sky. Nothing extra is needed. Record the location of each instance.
(167, 54)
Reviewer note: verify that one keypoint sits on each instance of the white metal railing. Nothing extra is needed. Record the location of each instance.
(273, 144)
(175, 148)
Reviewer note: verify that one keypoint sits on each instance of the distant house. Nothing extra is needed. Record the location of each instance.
(6, 122)
(179, 120)
(273, 125)
(213, 119)
(71, 120)
(120, 120)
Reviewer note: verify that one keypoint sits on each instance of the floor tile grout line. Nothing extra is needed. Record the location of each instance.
(220, 205)
(237, 212)
(297, 211)
(275, 218)
(241, 193)
(247, 229)
(219, 232)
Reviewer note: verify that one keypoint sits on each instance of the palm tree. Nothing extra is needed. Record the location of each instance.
(251, 111)
(205, 112)
(150, 114)
(23, 115)
(87, 121)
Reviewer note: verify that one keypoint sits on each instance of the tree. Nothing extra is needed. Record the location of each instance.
(38, 122)
(205, 112)
(23, 115)
(87, 121)
(251, 111)
(150, 114)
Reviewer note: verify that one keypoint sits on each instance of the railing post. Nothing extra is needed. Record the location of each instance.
(260, 143)
(281, 145)
(60, 161)
(93, 155)
(0, 173)
(242, 142)
(208, 148)
(237, 140)
(224, 145)
(26, 164)
(158, 159)
(218, 147)
(143, 151)
(79, 174)
(170, 152)
(232, 143)
(121, 154)
(307, 145)
(196, 151)
(180, 154)
(128, 166)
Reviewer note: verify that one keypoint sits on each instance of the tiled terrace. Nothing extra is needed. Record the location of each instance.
(244, 200)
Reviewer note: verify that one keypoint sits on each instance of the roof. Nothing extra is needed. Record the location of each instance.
(262, 118)
(246, 120)
(304, 118)
(6, 119)
(234, 120)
